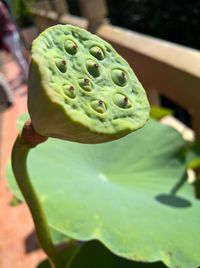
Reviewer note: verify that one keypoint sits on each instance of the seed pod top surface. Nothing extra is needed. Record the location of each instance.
(81, 89)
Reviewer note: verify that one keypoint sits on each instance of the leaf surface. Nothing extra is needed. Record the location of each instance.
(130, 194)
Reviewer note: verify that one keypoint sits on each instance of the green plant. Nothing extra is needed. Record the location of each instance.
(83, 90)
(21, 13)
(130, 194)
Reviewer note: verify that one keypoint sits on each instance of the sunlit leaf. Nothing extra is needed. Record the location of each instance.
(131, 194)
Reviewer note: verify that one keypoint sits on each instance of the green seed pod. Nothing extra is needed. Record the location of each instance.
(80, 89)
(97, 52)
(93, 68)
(69, 91)
(85, 84)
(70, 47)
(99, 106)
(121, 101)
(119, 77)
(61, 65)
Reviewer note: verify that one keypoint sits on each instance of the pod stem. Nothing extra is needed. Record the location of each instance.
(24, 142)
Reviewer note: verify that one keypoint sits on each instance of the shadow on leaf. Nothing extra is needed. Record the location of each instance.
(172, 199)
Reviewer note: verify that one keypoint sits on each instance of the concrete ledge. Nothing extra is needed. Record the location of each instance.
(170, 69)
(183, 58)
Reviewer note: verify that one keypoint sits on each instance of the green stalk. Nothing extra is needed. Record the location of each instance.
(19, 165)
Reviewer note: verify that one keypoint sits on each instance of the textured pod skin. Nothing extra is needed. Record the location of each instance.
(73, 84)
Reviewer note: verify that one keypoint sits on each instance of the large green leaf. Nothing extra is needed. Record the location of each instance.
(130, 194)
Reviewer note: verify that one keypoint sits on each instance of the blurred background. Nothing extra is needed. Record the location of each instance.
(175, 21)
(160, 40)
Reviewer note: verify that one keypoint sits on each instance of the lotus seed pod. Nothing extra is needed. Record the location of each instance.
(93, 68)
(121, 101)
(85, 84)
(119, 77)
(81, 89)
(97, 52)
(70, 47)
(70, 91)
(61, 65)
(99, 106)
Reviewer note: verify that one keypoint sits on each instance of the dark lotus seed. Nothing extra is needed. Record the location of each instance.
(119, 77)
(85, 84)
(93, 68)
(61, 65)
(97, 52)
(70, 91)
(99, 106)
(86, 81)
(121, 101)
(126, 99)
(70, 47)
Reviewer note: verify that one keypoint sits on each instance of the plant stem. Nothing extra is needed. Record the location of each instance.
(19, 165)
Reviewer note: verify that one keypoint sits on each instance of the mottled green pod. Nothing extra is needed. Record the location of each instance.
(80, 89)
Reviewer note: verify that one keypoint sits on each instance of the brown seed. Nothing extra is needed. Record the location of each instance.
(100, 102)
(125, 99)
(71, 88)
(74, 47)
(96, 65)
(123, 74)
(99, 52)
(86, 81)
(63, 62)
